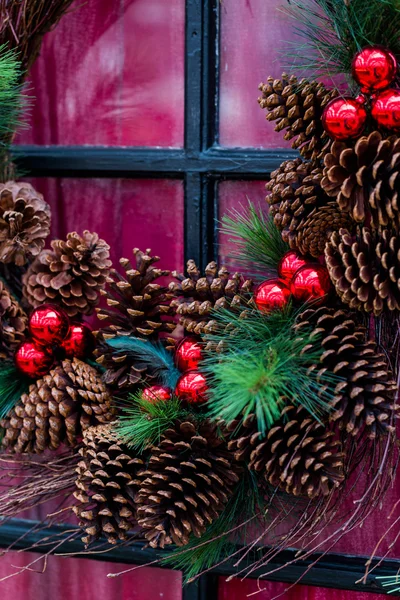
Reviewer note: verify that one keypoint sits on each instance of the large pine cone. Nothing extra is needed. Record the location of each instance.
(188, 480)
(13, 323)
(57, 409)
(197, 295)
(365, 179)
(139, 306)
(71, 274)
(24, 222)
(364, 397)
(365, 269)
(297, 107)
(298, 455)
(106, 485)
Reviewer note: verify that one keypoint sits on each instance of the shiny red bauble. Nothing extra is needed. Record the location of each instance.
(374, 68)
(386, 109)
(289, 264)
(311, 283)
(48, 325)
(155, 393)
(188, 354)
(79, 341)
(344, 118)
(33, 360)
(271, 294)
(192, 388)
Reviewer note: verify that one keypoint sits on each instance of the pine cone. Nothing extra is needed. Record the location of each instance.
(140, 306)
(187, 482)
(365, 269)
(314, 231)
(197, 296)
(24, 222)
(71, 274)
(13, 323)
(298, 455)
(297, 107)
(57, 409)
(106, 485)
(365, 179)
(364, 397)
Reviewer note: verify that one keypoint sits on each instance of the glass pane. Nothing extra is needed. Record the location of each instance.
(143, 213)
(253, 33)
(111, 73)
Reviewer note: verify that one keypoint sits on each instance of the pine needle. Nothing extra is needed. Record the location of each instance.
(391, 582)
(12, 385)
(258, 240)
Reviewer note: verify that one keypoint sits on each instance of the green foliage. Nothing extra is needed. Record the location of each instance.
(218, 543)
(335, 30)
(12, 101)
(12, 385)
(141, 423)
(258, 240)
(391, 582)
(265, 365)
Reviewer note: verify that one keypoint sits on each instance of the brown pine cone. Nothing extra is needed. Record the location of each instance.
(188, 480)
(140, 306)
(297, 107)
(106, 485)
(365, 269)
(298, 455)
(315, 231)
(71, 274)
(57, 409)
(24, 222)
(364, 397)
(365, 179)
(197, 296)
(13, 323)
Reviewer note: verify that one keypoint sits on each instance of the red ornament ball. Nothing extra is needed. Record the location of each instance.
(374, 68)
(289, 264)
(79, 341)
(33, 360)
(188, 354)
(271, 294)
(344, 118)
(386, 109)
(192, 388)
(311, 283)
(155, 393)
(48, 325)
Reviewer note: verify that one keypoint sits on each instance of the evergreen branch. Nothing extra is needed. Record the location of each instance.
(12, 385)
(391, 582)
(259, 242)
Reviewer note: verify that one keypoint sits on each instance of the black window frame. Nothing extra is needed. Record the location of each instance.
(201, 164)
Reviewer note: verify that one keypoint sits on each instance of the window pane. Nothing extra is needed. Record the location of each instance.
(143, 213)
(111, 73)
(253, 33)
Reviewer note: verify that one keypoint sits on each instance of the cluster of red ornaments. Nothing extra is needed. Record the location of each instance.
(374, 69)
(51, 333)
(299, 278)
(191, 386)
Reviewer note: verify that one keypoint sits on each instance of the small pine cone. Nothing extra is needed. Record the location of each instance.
(13, 323)
(24, 222)
(139, 306)
(364, 397)
(57, 409)
(365, 269)
(197, 296)
(298, 455)
(188, 480)
(297, 107)
(71, 274)
(106, 485)
(314, 231)
(365, 179)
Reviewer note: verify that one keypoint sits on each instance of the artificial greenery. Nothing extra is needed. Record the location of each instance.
(391, 583)
(264, 366)
(333, 31)
(12, 101)
(259, 244)
(12, 385)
